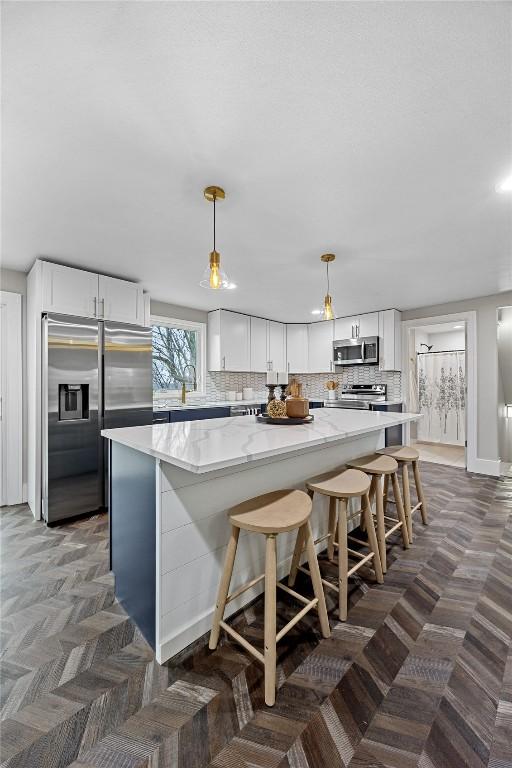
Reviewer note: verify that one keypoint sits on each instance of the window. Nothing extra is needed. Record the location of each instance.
(178, 350)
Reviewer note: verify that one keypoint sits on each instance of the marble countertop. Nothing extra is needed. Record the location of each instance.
(205, 446)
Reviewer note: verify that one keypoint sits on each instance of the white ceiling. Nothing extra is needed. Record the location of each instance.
(374, 130)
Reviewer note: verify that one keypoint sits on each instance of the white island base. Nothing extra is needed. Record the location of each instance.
(169, 528)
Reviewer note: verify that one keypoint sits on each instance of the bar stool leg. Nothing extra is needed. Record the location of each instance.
(372, 539)
(419, 491)
(381, 528)
(332, 528)
(299, 546)
(407, 499)
(386, 492)
(400, 510)
(316, 580)
(342, 559)
(270, 620)
(224, 587)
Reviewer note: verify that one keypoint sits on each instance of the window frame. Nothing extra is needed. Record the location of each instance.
(185, 325)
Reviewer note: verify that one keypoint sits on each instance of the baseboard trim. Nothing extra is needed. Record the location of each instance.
(489, 467)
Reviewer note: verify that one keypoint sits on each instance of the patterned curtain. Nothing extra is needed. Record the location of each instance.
(442, 397)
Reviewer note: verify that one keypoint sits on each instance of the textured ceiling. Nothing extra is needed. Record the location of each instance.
(374, 130)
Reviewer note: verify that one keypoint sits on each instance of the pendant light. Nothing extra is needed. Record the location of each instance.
(214, 277)
(328, 311)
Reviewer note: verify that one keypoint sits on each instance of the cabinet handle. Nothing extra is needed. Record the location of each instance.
(224, 363)
(95, 306)
(288, 367)
(102, 307)
(271, 365)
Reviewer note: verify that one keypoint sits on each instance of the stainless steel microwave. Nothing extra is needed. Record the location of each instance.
(362, 351)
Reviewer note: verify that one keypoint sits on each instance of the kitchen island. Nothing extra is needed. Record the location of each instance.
(170, 487)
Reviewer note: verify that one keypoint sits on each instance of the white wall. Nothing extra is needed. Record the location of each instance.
(16, 282)
(504, 333)
(446, 341)
(161, 309)
(487, 362)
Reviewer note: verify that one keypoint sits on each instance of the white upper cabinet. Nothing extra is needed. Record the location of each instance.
(69, 291)
(390, 340)
(120, 300)
(297, 347)
(321, 336)
(259, 343)
(276, 346)
(229, 341)
(344, 328)
(356, 326)
(368, 324)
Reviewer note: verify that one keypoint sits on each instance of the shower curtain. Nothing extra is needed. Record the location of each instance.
(442, 397)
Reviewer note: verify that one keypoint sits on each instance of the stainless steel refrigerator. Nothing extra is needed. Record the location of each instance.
(96, 375)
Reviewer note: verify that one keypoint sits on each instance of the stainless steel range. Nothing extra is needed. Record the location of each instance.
(359, 396)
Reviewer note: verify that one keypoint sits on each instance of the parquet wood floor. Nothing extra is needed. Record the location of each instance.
(419, 675)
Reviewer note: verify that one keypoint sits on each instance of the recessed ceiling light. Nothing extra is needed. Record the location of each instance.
(457, 327)
(316, 311)
(506, 185)
(230, 286)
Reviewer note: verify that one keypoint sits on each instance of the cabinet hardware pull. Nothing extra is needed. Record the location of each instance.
(224, 363)
(103, 308)
(95, 306)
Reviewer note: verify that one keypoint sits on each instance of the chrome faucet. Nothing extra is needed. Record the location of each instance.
(184, 390)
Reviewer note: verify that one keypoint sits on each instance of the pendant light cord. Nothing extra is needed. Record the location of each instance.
(327, 278)
(214, 199)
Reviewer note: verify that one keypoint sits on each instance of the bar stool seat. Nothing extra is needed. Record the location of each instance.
(270, 514)
(375, 464)
(341, 485)
(274, 512)
(400, 452)
(381, 466)
(405, 455)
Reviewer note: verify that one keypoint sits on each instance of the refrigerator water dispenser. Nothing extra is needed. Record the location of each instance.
(73, 402)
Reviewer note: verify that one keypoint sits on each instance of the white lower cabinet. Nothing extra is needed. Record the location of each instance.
(121, 300)
(297, 347)
(321, 336)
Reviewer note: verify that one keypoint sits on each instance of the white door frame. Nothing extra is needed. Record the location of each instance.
(469, 318)
(11, 383)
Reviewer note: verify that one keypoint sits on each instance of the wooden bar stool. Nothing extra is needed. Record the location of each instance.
(406, 455)
(270, 514)
(340, 486)
(379, 466)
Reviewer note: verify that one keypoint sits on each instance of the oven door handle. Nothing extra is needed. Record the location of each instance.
(363, 355)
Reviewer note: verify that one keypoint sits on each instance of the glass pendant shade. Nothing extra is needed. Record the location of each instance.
(214, 277)
(328, 312)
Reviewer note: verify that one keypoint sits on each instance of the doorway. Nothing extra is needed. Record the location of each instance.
(440, 384)
(11, 428)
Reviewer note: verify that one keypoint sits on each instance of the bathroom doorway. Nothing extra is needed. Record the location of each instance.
(437, 368)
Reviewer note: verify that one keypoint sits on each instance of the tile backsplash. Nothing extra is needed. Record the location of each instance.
(218, 382)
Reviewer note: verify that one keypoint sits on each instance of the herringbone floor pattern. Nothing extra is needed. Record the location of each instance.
(420, 675)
